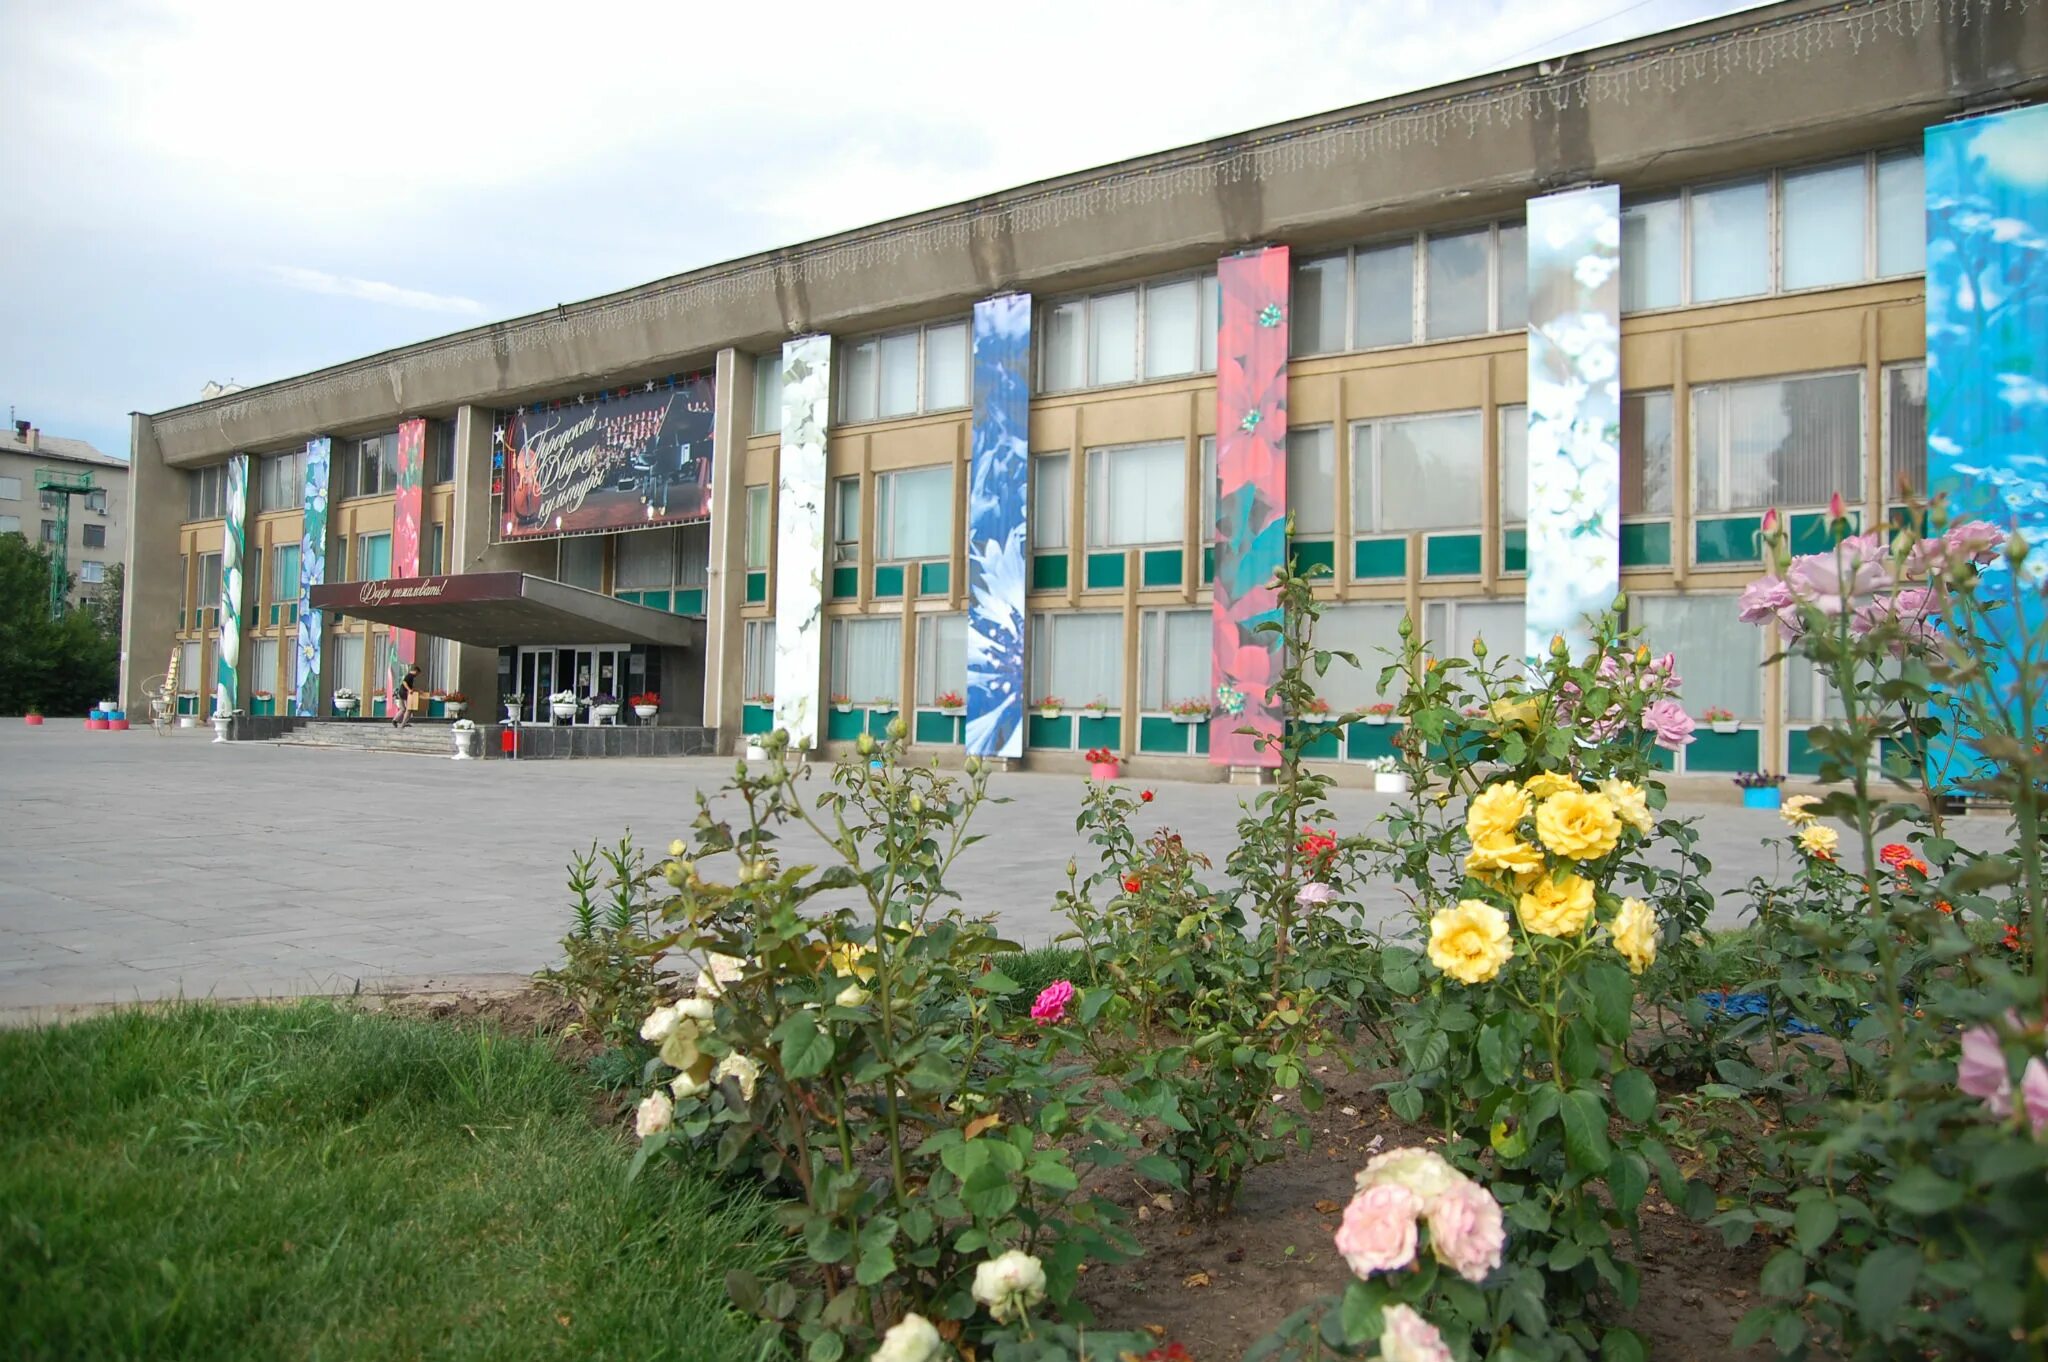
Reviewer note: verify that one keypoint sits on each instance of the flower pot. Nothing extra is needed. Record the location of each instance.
(1319, 718)
(1376, 720)
(465, 743)
(646, 711)
(220, 727)
(118, 725)
(1725, 726)
(952, 711)
(604, 714)
(1095, 714)
(1050, 713)
(566, 712)
(1763, 797)
(842, 709)
(454, 708)
(1190, 718)
(756, 752)
(511, 714)
(1102, 770)
(32, 720)
(1389, 782)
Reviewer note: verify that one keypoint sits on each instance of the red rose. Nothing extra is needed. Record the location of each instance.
(1145, 796)
(1895, 854)
(1132, 884)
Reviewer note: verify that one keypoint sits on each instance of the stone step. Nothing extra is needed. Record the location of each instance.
(371, 736)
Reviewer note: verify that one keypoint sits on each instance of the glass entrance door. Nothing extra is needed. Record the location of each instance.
(596, 671)
(536, 681)
(584, 671)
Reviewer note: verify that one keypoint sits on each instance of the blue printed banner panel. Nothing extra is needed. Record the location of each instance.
(312, 573)
(1574, 462)
(995, 526)
(1987, 379)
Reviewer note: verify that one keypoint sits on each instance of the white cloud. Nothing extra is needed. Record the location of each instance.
(370, 290)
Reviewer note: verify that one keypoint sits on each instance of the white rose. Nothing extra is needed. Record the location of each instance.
(853, 995)
(696, 1009)
(910, 1339)
(740, 1068)
(660, 1022)
(719, 970)
(1421, 1171)
(655, 1113)
(1009, 1285)
(686, 1086)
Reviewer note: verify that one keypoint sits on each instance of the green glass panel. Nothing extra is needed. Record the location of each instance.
(1514, 551)
(1725, 541)
(629, 597)
(1646, 545)
(845, 583)
(934, 726)
(1379, 558)
(757, 719)
(1312, 554)
(1100, 733)
(1162, 567)
(1451, 555)
(1369, 741)
(1163, 736)
(879, 721)
(1711, 751)
(888, 580)
(656, 600)
(757, 587)
(1810, 533)
(932, 578)
(1049, 572)
(1209, 564)
(1044, 732)
(690, 601)
(1801, 757)
(1325, 742)
(1105, 571)
(844, 727)
(1202, 738)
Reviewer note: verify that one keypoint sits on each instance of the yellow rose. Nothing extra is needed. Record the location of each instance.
(1557, 907)
(1470, 942)
(1544, 784)
(846, 960)
(1817, 839)
(1504, 852)
(1494, 811)
(1522, 713)
(1635, 934)
(1795, 810)
(1631, 805)
(1578, 824)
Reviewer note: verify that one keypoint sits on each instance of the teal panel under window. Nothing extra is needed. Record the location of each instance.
(1324, 743)
(1100, 733)
(1105, 571)
(1802, 758)
(1202, 739)
(757, 587)
(757, 719)
(1906, 518)
(935, 726)
(1725, 541)
(629, 597)
(655, 600)
(1209, 563)
(1161, 567)
(1166, 737)
(844, 727)
(1662, 759)
(1711, 751)
(845, 583)
(888, 580)
(689, 601)
(879, 721)
(1646, 545)
(1049, 572)
(1810, 533)
(932, 578)
(1514, 551)
(1450, 555)
(1367, 742)
(1044, 732)
(1312, 554)
(1379, 558)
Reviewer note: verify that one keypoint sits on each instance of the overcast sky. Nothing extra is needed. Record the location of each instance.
(246, 189)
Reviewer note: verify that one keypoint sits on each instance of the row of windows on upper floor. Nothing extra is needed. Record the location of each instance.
(94, 501)
(1821, 226)
(1785, 442)
(363, 467)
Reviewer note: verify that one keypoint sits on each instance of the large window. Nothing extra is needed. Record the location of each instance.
(867, 657)
(1160, 329)
(1430, 286)
(347, 667)
(10, 524)
(902, 373)
(941, 656)
(440, 451)
(281, 482)
(206, 493)
(1731, 240)
(1051, 501)
(693, 554)
(434, 552)
(10, 489)
(846, 520)
(1416, 473)
(914, 514)
(373, 557)
(188, 668)
(1821, 218)
(208, 583)
(50, 535)
(262, 664)
(759, 521)
(1079, 656)
(768, 394)
(437, 662)
(1905, 431)
(96, 500)
(95, 536)
(370, 468)
(1312, 481)
(1455, 289)
(1451, 626)
(1782, 442)
(1137, 495)
(1514, 464)
(1173, 657)
(1719, 656)
(646, 559)
(757, 659)
(284, 572)
(582, 562)
(1901, 214)
(1369, 632)
(91, 573)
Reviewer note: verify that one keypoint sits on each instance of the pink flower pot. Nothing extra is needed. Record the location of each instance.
(98, 725)
(32, 720)
(118, 725)
(1102, 770)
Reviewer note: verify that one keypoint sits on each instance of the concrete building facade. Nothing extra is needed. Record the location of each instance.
(1772, 256)
(95, 526)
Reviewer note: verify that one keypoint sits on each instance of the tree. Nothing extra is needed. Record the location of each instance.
(60, 666)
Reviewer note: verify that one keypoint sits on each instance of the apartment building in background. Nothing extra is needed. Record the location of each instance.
(98, 520)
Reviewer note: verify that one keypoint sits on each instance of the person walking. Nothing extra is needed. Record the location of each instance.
(407, 688)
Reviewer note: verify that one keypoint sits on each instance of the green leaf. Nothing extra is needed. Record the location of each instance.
(806, 1050)
(1359, 1314)
(1493, 1055)
(828, 1243)
(1787, 1334)
(996, 982)
(1623, 1345)
(1635, 1096)
(1784, 1275)
(1754, 1326)
(1813, 1224)
(988, 1192)
(1406, 1103)
(745, 1290)
(649, 1147)
(1047, 1171)
(1585, 1131)
(1614, 995)
(1159, 1168)
(1922, 1191)
(1884, 1284)
(1628, 1177)
(826, 1347)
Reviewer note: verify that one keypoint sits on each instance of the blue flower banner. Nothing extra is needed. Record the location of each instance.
(1574, 473)
(995, 526)
(1987, 314)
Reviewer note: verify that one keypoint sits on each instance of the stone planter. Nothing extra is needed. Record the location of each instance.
(1389, 782)
(1725, 726)
(1376, 720)
(604, 714)
(645, 712)
(564, 713)
(32, 720)
(465, 743)
(1102, 770)
(454, 708)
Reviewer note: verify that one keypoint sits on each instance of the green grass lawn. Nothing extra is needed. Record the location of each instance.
(312, 1182)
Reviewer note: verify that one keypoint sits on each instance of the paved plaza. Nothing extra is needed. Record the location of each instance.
(139, 866)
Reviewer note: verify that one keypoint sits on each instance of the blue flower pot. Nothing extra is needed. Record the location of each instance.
(1762, 797)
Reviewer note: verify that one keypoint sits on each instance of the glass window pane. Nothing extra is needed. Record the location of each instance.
(1457, 284)
(767, 394)
(284, 575)
(757, 536)
(1514, 277)
(1905, 431)
(1452, 626)
(945, 366)
(1787, 443)
(1136, 495)
(262, 664)
(1212, 303)
(1651, 253)
(914, 514)
(209, 580)
(1731, 255)
(1316, 311)
(1113, 338)
(1173, 657)
(1078, 656)
(1822, 219)
(1901, 214)
(846, 520)
(1062, 346)
(1514, 464)
(1435, 461)
(757, 666)
(1312, 480)
(1386, 295)
(1170, 329)
(647, 558)
(1719, 656)
(1364, 465)
(1205, 531)
(867, 658)
(693, 554)
(899, 375)
(1050, 504)
(1372, 633)
(941, 656)
(583, 562)
(348, 667)
(441, 452)
(1646, 453)
(857, 381)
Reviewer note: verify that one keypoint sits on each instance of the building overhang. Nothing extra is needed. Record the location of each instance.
(507, 609)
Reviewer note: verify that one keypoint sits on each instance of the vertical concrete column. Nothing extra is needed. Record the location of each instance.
(469, 541)
(726, 576)
(151, 594)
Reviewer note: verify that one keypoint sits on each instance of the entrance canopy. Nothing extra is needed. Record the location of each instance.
(506, 609)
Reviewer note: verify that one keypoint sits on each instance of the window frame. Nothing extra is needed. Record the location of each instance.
(1417, 243)
(1088, 500)
(1208, 305)
(842, 372)
(845, 546)
(15, 483)
(278, 576)
(767, 395)
(1065, 518)
(1378, 504)
(362, 553)
(86, 533)
(760, 518)
(1691, 494)
(1153, 657)
(1888, 475)
(885, 503)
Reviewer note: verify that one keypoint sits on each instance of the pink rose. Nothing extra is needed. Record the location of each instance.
(1314, 894)
(2034, 1095)
(1763, 599)
(1408, 1337)
(1465, 1230)
(1051, 1006)
(1851, 574)
(1974, 541)
(1670, 723)
(1982, 1071)
(1378, 1233)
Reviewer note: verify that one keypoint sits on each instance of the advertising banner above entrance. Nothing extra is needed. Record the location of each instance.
(639, 458)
